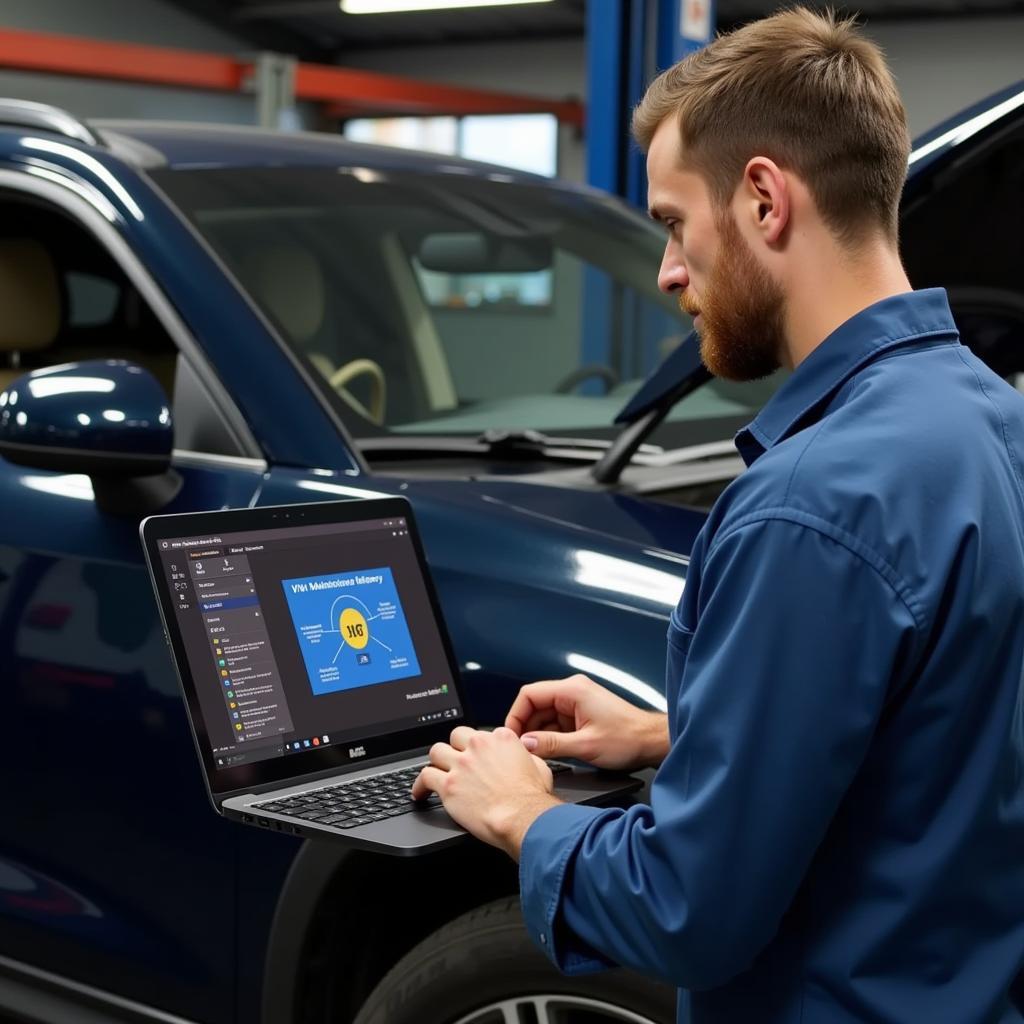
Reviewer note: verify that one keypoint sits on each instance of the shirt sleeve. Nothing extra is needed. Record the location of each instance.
(801, 635)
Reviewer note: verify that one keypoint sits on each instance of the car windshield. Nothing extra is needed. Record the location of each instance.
(455, 303)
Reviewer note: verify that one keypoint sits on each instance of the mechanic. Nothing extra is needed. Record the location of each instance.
(836, 829)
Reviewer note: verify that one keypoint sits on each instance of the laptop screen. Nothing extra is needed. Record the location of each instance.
(305, 637)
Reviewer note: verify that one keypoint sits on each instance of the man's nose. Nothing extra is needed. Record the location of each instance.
(672, 276)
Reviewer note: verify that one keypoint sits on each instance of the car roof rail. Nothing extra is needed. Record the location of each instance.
(26, 114)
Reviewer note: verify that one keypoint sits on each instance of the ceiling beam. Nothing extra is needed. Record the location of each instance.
(223, 15)
(259, 12)
(913, 12)
(733, 15)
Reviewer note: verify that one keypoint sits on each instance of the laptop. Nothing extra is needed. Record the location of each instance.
(317, 671)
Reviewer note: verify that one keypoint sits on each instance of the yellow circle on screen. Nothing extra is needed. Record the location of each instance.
(353, 629)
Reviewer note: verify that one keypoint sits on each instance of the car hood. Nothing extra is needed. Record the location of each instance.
(530, 519)
(575, 516)
(596, 547)
(539, 582)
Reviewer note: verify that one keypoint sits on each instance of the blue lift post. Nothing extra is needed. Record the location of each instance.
(628, 43)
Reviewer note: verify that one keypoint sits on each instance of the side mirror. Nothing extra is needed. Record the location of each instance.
(107, 418)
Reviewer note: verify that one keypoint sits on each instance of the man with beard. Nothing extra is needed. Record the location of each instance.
(836, 828)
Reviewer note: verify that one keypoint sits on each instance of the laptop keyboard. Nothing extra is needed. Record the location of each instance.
(374, 798)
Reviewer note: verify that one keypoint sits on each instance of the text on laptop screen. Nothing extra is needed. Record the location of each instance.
(305, 636)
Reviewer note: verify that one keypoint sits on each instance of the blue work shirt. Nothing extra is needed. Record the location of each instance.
(837, 833)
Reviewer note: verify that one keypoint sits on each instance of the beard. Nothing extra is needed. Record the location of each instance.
(742, 324)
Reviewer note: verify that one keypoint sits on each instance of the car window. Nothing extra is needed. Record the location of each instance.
(457, 303)
(77, 303)
(92, 300)
(447, 303)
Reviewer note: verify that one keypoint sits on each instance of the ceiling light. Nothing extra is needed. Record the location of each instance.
(401, 6)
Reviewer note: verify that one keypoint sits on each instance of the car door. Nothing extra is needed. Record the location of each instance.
(114, 871)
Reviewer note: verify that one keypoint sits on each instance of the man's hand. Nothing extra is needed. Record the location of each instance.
(576, 717)
(489, 784)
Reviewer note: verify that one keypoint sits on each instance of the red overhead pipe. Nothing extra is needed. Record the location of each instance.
(131, 62)
(353, 91)
(347, 91)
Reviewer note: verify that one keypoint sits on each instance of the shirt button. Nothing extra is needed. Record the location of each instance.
(543, 939)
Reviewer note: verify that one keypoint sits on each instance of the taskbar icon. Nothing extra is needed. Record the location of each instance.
(313, 741)
(436, 715)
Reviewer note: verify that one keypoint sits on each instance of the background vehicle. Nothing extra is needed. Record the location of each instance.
(318, 319)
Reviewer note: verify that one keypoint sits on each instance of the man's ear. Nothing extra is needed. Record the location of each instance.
(766, 196)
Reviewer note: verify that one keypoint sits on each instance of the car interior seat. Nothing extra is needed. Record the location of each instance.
(288, 280)
(65, 300)
(30, 298)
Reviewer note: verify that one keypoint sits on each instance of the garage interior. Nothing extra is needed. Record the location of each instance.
(169, 195)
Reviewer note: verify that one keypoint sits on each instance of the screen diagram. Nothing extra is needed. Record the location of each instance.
(351, 629)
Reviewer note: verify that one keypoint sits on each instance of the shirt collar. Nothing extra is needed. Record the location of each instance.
(898, 320)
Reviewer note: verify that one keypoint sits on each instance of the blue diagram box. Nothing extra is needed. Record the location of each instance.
(351, 629)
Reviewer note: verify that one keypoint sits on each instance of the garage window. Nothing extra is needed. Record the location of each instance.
(479, 137)
(485, 138)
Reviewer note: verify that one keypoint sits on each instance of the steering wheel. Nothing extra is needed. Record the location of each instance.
(606, 373)
(378, 387)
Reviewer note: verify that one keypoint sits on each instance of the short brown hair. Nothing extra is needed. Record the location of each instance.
(807, 90)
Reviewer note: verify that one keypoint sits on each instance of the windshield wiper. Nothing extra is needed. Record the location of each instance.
(680, 373)
(498, 438)
(497, 441)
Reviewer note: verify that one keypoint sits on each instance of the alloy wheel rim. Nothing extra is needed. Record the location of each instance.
(552, 1009)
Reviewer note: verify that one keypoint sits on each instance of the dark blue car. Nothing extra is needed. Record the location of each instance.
(219, 317)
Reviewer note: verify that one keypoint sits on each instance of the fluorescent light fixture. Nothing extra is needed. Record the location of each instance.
(401, 6)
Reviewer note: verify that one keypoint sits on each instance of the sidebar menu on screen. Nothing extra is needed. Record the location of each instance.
(238, 645)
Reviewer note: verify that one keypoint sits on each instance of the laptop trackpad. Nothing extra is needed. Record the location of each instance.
(434, 828)
(431, 828)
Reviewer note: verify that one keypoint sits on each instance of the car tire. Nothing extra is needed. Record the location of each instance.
(483, 968)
